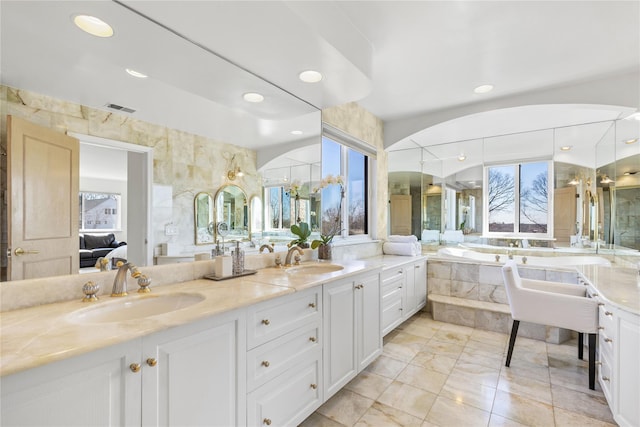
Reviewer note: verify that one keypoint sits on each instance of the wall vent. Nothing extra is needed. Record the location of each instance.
(120, 108)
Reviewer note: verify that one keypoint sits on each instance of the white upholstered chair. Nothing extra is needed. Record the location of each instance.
(554, 304)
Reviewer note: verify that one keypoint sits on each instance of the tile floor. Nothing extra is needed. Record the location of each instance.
(439, 374)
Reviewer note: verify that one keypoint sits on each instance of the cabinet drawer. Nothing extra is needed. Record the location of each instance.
(391, 274)
(289, 398)
(391, 315)
(273, 358)
(605, 376)
(605, 344)
(271, 319)
(392, 286)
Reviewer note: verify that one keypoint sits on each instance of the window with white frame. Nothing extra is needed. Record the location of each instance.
(99, 211)
(518, 199)
(345, 204)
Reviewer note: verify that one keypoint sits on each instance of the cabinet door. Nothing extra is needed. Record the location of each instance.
(95, 389)
(410, 301)
(339, 331)
(420, 273)
(195, 374)
(368, 319)
(628, 370)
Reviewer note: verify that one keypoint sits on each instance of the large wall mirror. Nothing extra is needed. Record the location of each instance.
(204, 219)
(183, 163)
(593, 171)
(232, 208)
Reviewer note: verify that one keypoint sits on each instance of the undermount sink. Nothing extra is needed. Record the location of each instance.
(314, 268)
(129, 308)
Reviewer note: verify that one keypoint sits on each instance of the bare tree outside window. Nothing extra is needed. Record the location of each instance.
(534, 199)
(501, 199)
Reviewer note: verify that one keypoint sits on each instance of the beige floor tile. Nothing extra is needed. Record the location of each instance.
(444, 335)
(500, 421)
(345, 407)
(569, 419)
(318, 420)
(464, 330)
(526, 387)
(435, 362)
(459, 389)
(423, 378)
(421, 329)
(591, 405)
(368, 384)
(481, 357)
(522, 409)
(488, 346)
(404, 346)
(443, 348)
(409, 399)
(447, 412)
(380, 415)
(477, 373)
(489, 337)
(386, 366)
(527, 369)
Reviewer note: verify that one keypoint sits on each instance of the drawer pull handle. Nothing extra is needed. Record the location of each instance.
(265, 321)
(312, 304)
(265, 363)
(416, 266)
(152, 362)
(600, 304)
(595, 295)
(606, 379)
(399, 287)
(599, 363)
(601, 328)
(267, 421)
(135, 367)
(312, 339)
(608, 313)
(314, 386)
(608, 340)
(359, 286)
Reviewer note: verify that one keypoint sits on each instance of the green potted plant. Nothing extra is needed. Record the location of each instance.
(323, 244)
(303, 232)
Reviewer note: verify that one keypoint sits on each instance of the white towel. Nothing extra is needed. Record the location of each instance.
(430, 235)
(400, 248)
(403, 239)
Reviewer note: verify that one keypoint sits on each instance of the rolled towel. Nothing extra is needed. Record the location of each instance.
(430, 235)
(402, 239)
(399, 248)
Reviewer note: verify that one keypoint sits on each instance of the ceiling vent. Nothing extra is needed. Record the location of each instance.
(120, 108)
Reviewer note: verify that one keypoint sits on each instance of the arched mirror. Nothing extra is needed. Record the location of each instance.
(256, 217)
(203, 218)
(231, 208)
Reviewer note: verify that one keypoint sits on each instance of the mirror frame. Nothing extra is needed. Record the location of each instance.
(211, 218)
(220, 191)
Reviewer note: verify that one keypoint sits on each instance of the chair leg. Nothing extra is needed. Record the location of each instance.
(592, 361)
(512, 341)
(580, 345)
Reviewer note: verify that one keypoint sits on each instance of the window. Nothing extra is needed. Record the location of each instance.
(518, 198)
(282, 207)
(99, 211)
(347, 203)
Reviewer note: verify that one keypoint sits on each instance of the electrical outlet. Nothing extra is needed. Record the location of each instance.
(170, 230)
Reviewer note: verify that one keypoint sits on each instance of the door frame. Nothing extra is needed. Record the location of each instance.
(139, 193)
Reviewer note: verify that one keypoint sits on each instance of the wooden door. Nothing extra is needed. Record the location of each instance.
(564, 214)
(43, 203)
(400, 214)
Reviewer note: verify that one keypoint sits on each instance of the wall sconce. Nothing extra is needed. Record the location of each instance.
(234, 170)
(574, 181)
(606, 180)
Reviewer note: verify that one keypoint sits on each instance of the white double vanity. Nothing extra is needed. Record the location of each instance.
(258, 350)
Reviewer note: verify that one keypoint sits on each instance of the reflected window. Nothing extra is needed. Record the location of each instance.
(518, 198)
(99, 211)
(282, 208)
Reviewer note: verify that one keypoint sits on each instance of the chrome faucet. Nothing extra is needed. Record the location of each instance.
(120, 283)
(267, 247)
(287, 260)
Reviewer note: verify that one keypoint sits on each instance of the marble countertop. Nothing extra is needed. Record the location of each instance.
(619, 286)
(34, 336)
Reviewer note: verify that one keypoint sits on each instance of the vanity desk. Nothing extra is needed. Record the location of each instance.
(618, 293)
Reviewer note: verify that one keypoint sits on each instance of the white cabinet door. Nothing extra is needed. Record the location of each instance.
(368, 320)
(95, 389)
(340, 335)
(195, 374)
(420, 275)
(628, 370)
(410, 301)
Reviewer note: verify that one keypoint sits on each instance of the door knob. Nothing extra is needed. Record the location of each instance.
(20, 251)
(152, 362)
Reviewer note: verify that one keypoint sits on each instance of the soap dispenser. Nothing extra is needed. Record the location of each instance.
(238, 260)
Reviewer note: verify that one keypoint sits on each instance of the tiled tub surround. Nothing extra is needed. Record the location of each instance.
(473, 294)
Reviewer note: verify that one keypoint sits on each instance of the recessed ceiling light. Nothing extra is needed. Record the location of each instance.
(253, 97)
(135, 73)
(566, 147)
(483, 89)
(462, 157)
(92, 25)
(310, 76)
(631, 141)
(296, 132)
